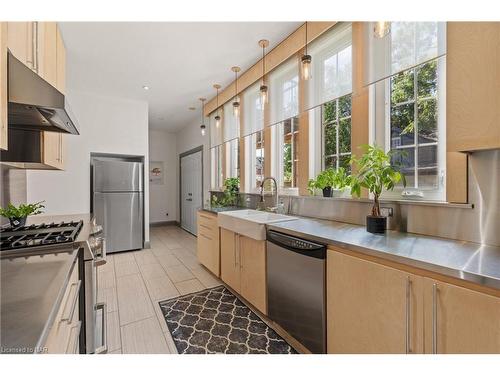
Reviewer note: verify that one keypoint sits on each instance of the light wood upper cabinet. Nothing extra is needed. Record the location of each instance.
(253, 272)
(473, 86)
(372, 308)
(3, 87)
(229, 259)
(61, 63)
(53, 149)
(21, 42)
(459, 320)
(48, 51)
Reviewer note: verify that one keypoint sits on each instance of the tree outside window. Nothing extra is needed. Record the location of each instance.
(290, 152)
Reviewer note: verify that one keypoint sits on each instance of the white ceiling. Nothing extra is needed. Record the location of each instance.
(178, 61)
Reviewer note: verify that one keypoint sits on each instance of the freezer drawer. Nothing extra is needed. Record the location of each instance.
(121, 216)
(115, 175)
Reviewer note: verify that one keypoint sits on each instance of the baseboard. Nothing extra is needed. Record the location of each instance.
(163, 223)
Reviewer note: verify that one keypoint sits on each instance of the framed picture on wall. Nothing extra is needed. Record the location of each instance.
(156, 173)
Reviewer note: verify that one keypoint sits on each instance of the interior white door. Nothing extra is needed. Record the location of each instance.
(191, 190)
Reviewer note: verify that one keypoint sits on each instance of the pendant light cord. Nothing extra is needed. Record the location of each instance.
(263, 62)
(306, 38)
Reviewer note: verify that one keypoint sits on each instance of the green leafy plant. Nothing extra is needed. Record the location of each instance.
(230, 195)
(337, 179)
(23, 210)
(375, 173)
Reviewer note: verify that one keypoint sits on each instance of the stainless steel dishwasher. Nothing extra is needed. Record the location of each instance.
(296, 288)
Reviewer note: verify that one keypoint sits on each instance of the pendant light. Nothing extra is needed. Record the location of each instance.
(381, 29)
(202, 126)
(217, 117)
(263, 88)
(236, 103)
(306, 62)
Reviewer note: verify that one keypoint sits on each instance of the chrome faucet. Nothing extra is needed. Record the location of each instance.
(261, 203)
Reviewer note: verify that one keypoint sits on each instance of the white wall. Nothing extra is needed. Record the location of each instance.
(163, 199)
(106, 125)
(188, 138)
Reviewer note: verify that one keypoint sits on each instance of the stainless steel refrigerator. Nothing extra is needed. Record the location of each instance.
(118, 201)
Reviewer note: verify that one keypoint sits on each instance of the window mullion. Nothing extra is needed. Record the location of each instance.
(415, 127)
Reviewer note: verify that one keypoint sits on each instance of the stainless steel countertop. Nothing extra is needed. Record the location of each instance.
(463, 260)
(32, 286)
(216, 210)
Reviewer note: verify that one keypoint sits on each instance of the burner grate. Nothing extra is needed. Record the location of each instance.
(39, 234)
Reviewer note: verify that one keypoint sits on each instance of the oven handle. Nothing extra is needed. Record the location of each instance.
(101, 259)
(104, 347)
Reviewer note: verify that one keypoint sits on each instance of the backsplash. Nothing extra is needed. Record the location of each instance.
(13, 187)
(479, 224)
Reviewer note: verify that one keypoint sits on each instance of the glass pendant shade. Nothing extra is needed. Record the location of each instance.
(236, 109)
(306, 67)
(263, 95)
(381, 29)
(203, 130)
(217, 121)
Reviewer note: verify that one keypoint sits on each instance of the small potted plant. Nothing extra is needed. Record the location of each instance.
(17, 215)
(330, 180)
(375, 173)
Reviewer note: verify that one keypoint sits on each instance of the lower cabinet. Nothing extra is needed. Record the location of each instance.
(208, 251)
(243, 267)
(374, 308)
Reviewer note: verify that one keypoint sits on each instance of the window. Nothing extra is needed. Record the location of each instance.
(413, 125)
(287, 151)
(232, 150)
(284, 91)
(216, 168)
(336, 133)
(231, 123)
(332, 65)
(254, 156)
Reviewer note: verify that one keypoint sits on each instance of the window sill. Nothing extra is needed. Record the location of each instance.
(394, 201)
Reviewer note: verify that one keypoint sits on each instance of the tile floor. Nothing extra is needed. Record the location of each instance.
(132, 283)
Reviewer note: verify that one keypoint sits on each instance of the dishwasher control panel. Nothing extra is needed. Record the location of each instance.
(294, 243)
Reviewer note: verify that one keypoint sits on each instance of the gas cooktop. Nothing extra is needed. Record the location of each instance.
(39, 235)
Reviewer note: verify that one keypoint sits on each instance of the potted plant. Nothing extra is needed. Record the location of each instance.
(330, 180)
(17, 215)
(375, 173)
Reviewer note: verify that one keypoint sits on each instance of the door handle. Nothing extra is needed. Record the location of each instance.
(104, 347)
(408, 315)
(189, 199)
(434, 318)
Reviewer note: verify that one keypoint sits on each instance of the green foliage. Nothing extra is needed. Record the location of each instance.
(375, 173)
(230, 195)
(335, 178)
(23, 210)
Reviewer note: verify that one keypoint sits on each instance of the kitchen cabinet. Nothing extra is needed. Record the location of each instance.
(3, 87)
(459, 320)
(208, 251)
(372, 308)
(472, 86)
(376, 308)
(229, 259)
(243, 267)
(39, 45)
(253, 272)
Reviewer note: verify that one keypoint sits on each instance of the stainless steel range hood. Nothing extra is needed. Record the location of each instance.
(35, 104)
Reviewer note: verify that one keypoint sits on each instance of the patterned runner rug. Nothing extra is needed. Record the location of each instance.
(215, 321)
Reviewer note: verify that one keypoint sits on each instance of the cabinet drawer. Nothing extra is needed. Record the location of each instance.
(210, 222)
(66, 323)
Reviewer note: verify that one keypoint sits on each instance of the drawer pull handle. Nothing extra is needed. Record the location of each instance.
(408, 315)
(69, 317)
(206, 227)
(434, 318)
(74, 343)
(104, 347)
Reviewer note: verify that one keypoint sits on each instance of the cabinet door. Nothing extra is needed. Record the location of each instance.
(60, 62)
(229, 259)
(372, 308)
(20, 40)
(3, 86)
(47, 50)
(253, 272)
(53, 150)
(459, 320)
